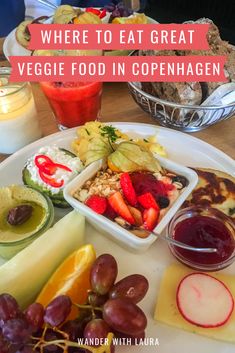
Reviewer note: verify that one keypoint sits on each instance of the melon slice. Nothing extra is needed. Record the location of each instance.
(204, 301)
(24, 275)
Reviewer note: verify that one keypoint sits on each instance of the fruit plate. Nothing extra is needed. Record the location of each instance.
(12, 48)
(183, 149)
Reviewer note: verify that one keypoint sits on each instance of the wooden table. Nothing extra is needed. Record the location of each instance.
(118, 105)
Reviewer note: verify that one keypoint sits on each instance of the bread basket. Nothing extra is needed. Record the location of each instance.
(187, 118)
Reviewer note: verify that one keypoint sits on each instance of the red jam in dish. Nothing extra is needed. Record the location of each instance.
(204, 232)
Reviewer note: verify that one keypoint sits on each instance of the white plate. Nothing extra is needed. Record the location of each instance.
(183, 149)
(12, 48)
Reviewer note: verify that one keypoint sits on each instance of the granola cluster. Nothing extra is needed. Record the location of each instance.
(104, 184)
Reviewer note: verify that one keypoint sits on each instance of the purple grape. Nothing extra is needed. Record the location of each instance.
(8, 307)
(52, 336)
(3, 345)
(34, 315)
(126, 13)
(58, 310)
(16, 330)
(134, 339)
(133, 287)
(121, 12)
(124, 316)
(116, 13)
(26, 349)
(109, 7)
(103, 274)
(74, 329)
(77, 350)
(96, 329)
(96, 299)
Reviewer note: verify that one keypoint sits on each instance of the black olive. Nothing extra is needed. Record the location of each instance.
(163, 202)
(180, 179)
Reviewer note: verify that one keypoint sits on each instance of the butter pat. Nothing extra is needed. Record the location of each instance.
(167, 312)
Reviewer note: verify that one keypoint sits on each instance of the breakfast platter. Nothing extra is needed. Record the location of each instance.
(180, 148)
(115, 237)
(14, 43)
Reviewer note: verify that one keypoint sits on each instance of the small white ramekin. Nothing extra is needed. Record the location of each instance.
(113, 230)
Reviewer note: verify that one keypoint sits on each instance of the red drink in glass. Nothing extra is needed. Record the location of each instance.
(73, 103)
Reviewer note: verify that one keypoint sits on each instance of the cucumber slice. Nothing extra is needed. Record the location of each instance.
(60, 203)
(56, 198)
(26, 176)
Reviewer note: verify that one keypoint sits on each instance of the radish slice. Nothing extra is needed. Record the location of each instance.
(204, 301)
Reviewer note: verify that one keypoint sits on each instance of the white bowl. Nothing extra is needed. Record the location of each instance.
(113, 230)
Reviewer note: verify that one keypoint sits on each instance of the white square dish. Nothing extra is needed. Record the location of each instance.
(112, 229)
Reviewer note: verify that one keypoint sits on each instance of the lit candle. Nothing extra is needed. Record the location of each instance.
(18, 116)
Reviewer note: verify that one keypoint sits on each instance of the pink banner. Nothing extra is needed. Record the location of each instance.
(116, 68)
(115, 36)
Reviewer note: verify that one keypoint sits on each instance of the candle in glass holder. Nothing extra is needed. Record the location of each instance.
(18, 116)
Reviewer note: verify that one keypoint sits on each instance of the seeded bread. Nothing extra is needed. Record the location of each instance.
(193, 93)
(189, 93)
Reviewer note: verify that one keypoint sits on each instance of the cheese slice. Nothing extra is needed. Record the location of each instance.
(167, 312)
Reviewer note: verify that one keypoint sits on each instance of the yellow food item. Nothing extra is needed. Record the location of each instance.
(139, 18)
(64, 14)
(87, 18)
(96, 140)
(112, 166)
(151, 145)
(64, 10)
(168, 313)
(72, 278)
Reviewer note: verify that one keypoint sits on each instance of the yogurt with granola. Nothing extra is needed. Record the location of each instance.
(136, 201)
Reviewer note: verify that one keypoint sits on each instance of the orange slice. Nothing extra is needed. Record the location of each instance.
(112, 166)
(72, 278)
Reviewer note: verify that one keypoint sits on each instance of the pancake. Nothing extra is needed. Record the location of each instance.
(214, 189)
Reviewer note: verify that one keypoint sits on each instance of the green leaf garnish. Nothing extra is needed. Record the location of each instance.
(109, 132)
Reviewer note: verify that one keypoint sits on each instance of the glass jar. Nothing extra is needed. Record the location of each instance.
(18, 116)
(205, 227)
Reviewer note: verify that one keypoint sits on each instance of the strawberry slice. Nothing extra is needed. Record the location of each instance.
(118, 204)
(128, 189)
(150, 218)
(97, 203)
(110, 213)
(148, 201)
